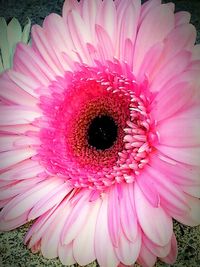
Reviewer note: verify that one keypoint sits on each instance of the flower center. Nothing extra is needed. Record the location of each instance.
(96, 129)
(102, 132)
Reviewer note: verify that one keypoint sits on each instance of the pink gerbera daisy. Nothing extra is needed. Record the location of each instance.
(100, 133)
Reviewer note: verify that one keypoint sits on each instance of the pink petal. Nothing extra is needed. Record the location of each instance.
(127, 20)
(169, 102)
(191, 218)
(12, 224)
(7, 142)
(39, 228)
(170, 194)
(105, 45)
(60, 40)
(150, 61)
(12, 142)
(128, 52)
(146, 258)
(43, 47)
(146, 185)
(11, 92)
(13, 115)
(49, 201)
(127, 213)
(114, 215)
(147, 7)
(18, 129)
(76, 219)
(18, 187)
(171, 6)
(38, 70)
(127, 252)
(24, 170)
(158, 227)
(156, 250)
(25, 83)
(180, 38)
(65, 252)
(170, 70)
(192, 190)
(80, 35)
(26, 201)
(170, 133)
(180, 174)
(83, 245)
(51, 237)
(171, 257)
(153, 29)
(102, 239)
(69, 6)
(187, 155)
(12, 157)
(107, 19)
(90, 11)
(182, 17)
(4, 202)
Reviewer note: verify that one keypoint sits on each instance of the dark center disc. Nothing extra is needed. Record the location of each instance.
(102, 132)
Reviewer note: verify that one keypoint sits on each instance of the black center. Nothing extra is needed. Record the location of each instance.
(102, 132)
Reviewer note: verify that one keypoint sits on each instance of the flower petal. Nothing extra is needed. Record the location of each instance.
(158, 230)
(51, 237)
(147, 187)
(187, 155)
(128, 214)
(38, 229)
(23, 82)
(65, 253)
(107, 19)
(19, 187)
(76, 219)
(127, 252)
(60, 40)
(114, 215)
(102, 239)
(80, 35)
(24, 170)
(83, 245)
(11, 92)
(170, 133)
(53, 198)
(26, 201)
(171, 257)
(160, 21)
(169, 102)
(171, 196)
(105, 45)
(12, 157)
(38, 70)
(146, 258)
(156, 250)
(12, 224)
(191, 218)
(182, 17)
(13, 115)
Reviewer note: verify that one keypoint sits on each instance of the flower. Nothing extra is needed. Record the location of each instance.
(10, 35)
(100, 133)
